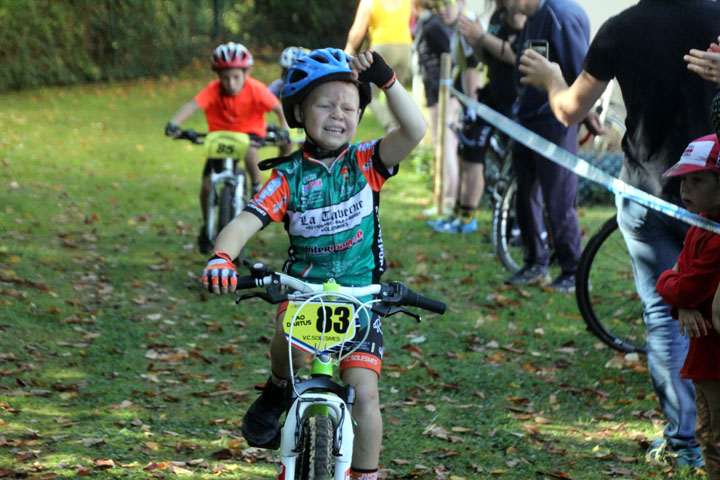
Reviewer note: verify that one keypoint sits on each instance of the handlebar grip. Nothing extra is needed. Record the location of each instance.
(245, 283)
(413, 299)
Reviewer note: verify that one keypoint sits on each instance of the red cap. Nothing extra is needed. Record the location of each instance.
(701, 154)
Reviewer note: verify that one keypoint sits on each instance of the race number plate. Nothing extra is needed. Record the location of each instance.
(319, 327)
(227, 145)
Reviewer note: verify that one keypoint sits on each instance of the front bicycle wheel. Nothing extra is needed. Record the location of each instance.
(316, 460)
(605, 291)
(505, 232)
(225, 206)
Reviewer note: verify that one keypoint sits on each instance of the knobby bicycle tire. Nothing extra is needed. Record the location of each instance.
(210, 225)
(225, 207)
(316, 461)
(605, 291)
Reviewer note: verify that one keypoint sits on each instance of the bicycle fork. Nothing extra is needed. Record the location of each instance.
(312, 403)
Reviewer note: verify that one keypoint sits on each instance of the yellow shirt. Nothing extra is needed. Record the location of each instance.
(390, 26)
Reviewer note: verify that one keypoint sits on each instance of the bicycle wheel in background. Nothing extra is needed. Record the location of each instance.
(316, 461)
(605, 291)
(505, 232)
(225, 207)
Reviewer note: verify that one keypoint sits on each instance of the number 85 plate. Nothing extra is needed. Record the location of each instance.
(319, 327)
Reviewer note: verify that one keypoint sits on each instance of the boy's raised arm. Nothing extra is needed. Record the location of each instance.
(399, 142)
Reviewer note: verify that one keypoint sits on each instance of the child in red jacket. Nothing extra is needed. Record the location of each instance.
(690, 286)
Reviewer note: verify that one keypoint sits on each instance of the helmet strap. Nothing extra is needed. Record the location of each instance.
(311, 148)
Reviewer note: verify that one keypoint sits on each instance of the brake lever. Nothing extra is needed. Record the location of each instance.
(389, 311)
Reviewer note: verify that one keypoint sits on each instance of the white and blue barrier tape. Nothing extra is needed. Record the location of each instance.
(579, 166)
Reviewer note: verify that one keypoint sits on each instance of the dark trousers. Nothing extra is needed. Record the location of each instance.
(540, 179)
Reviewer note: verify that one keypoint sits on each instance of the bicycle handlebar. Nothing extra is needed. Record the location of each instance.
(391, 294)
(274, 136)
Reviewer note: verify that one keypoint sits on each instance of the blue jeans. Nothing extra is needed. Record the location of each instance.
(654, 241)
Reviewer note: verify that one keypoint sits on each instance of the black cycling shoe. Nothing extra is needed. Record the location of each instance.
(205, 245)
(261, 424)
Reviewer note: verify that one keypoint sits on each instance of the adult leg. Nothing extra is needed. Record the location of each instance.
(528, 206)
(559, 189)
(472, 184)
(654, 241)
(366, 412)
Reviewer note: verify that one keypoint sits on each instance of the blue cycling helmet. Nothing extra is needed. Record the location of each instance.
(317, 67)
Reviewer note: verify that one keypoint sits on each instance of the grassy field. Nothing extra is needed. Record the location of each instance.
(115, 364)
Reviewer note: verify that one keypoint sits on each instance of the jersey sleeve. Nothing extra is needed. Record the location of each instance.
(264, 97)
(270, 203)
(367, 156)
(206, 96)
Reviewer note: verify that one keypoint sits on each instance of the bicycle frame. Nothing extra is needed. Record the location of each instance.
(308, 403)
(231, 177)
(320, 396)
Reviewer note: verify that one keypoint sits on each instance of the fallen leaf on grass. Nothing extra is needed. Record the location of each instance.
(441, 433)
(91, 442)
(103, 462)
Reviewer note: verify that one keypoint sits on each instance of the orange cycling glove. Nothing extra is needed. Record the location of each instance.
(379, 73)
(220, 271)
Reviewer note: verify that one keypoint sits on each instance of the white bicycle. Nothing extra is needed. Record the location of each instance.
(327, 321)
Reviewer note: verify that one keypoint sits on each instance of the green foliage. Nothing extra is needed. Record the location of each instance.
(44, 42)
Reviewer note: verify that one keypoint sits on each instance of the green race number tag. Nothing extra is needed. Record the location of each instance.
(227, 145)
(319, 327)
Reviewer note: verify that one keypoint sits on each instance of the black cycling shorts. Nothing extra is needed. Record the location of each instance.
(473, 140)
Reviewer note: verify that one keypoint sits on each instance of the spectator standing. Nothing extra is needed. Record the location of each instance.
(563, 28)
(468, 78)
(387, 23)
(689, 288)
(667, 106)
(495, 47)
(432, 39)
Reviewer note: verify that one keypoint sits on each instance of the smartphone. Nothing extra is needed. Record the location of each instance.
(540, 46)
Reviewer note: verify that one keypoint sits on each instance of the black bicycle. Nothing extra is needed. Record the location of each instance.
(605, 291)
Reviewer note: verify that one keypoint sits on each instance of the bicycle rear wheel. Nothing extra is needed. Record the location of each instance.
(605, 291)
(316, 460)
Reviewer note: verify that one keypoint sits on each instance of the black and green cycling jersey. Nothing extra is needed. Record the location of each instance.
(330, 214)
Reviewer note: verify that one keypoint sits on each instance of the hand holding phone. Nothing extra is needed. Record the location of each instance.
(540, 46)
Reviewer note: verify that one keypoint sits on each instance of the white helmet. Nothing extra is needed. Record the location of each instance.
(290, 54)
(231, 55)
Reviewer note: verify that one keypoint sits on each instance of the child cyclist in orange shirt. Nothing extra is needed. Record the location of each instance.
(325, 92)
(234, 102)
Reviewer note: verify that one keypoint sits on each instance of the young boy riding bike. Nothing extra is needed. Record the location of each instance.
(327, 195)
(234, 102)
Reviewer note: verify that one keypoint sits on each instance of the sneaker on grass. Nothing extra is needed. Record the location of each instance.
(530, 275)
(564, 283)
(659, 453)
